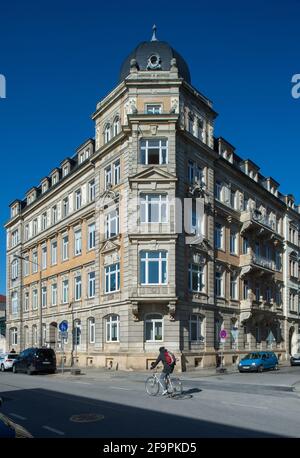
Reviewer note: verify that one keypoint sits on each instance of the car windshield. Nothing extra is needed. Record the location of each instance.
(12, 356)
(252, 356)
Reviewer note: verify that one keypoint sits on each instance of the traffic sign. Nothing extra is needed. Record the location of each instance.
(63, 335)
(223, 334)
(63, 326)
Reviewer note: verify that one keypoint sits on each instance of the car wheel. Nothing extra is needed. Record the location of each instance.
(29, 371)
(2, 368)
(260, 369)
(14, 369)
(276, 367)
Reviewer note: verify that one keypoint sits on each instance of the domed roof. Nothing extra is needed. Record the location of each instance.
(155, 55)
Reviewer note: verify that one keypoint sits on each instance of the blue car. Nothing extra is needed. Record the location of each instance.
(258, 361)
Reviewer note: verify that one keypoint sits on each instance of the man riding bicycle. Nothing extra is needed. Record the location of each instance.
(169, 361)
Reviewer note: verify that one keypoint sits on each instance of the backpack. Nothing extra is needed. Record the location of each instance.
(170, 358)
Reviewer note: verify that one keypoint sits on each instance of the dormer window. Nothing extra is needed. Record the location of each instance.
(44, 188)
(87, 153)
(65, 170)
(54, 180)
(81, 157)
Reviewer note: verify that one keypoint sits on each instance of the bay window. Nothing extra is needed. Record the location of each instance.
(153, 267)
(154, 151)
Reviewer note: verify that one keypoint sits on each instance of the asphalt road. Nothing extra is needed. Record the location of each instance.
(116, 405)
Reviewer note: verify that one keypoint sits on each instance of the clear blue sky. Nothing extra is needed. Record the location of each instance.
(61, 57)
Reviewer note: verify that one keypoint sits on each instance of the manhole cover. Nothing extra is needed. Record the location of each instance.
(86, 418)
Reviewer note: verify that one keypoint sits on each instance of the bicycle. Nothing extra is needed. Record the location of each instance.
(153, 385)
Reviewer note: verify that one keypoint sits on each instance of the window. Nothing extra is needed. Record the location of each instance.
(112, 328)
(78, 199)
(233, 286)
(200, 125)
(107, 133)
(44, 296)
(44, 257)
(153, 268)
(14, 336)
(44, 221)
(65, 247)
(153, 109)
(195, 325)
(219, 239)
(54, 180)
(14, 269)
(219, 284)
(81, 157)
(154, 152)
(65, 170)
(14, 238)
(26, 302)
(268, 294)
(92, 189)
(117, 172)
(112, 224)
(78, 288)
(26, 232)
(278, 260)
(77, 333)
(195, 227)
(218, 190)
(108, 177)
(112, 278)
(257, 292)
(54, 294)
(154, 208)
(34, 262)
(91, 284)
(232, 198)
(54, 214)
(34, 299)
(191, 124)
(233, 242)
(65, 291)
(116, 125)
(91, 236)
(245, 245)
(35, 227)
(65, 208)
(196, 278)
(53, 252)
(195, 173)
(26, 266)
(245, 289)
(14, 303)
(91, 328)
(78, 242)
(154, 328)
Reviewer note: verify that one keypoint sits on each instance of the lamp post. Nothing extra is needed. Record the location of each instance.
(40, 299)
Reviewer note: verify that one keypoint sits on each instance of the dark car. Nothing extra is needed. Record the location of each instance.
(295, 360)
(35, 360)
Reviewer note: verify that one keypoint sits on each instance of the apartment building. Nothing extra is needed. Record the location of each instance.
(154, 233)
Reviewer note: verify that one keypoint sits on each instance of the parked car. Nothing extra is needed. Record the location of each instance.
(35, 360)
(258, 361)
(6, 361)
(10, 429)
(295, 359)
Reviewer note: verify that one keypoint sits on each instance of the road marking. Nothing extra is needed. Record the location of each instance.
(120, 388)
(244, 405)
(83, 383)
(56, 431)
(17, 416)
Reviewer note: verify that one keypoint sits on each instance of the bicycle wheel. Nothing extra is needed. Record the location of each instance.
(177, 386)
(152, 386)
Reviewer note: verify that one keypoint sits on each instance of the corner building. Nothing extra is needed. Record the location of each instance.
(154, 233)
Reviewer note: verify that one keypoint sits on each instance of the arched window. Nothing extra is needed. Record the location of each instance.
(14, 269)
(154, 328)
(107, 133)
(77, 332)
(34, 335)
(113, 328)
(116, 126)
(91, 330)
(13, 336)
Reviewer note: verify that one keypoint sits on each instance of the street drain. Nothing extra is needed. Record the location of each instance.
(86, 418)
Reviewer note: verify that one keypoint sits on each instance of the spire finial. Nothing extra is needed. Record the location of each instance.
(154, 28)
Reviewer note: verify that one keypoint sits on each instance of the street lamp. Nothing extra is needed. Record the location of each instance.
(16, 256)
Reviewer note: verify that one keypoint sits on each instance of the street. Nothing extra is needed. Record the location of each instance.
(115, 404)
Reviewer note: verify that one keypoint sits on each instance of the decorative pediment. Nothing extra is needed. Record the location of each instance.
(152, 174)
(109, 246)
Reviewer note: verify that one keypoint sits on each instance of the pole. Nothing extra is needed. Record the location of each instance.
(41, 317)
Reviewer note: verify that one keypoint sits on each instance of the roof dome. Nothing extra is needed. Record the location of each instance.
(155, 55)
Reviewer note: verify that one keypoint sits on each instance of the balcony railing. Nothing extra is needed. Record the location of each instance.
(263, 262)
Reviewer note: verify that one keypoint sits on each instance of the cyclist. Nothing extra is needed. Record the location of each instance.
(169, 361)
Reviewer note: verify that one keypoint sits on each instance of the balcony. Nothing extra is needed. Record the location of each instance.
(252, 262)
(253, 219)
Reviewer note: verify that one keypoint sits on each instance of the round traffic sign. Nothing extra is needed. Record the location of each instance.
(223, 334)
(63, 326)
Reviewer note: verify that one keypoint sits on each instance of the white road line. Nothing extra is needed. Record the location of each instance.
(56, 431)
(83, 383)
(120, 388)
(17, 416)
(244, 405)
